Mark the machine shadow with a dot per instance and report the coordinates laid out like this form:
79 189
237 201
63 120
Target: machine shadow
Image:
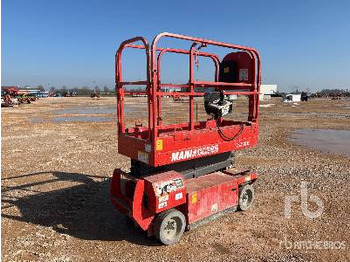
83 211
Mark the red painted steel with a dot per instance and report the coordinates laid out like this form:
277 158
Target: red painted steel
164 191
127 194
143 198
213 193
142 145
210 194
156 144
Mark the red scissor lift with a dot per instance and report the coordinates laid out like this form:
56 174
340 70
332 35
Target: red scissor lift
181 174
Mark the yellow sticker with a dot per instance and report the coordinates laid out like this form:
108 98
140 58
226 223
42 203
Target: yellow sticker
226 69
194 198
247 178
159 145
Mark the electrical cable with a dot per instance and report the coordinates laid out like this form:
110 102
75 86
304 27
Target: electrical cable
225 137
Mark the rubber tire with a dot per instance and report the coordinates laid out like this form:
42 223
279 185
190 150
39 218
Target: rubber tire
159 224
247 189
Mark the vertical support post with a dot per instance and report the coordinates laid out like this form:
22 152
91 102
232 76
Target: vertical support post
253 98
154 96
119 91
258 82
150 111
159 98
159 108
191 122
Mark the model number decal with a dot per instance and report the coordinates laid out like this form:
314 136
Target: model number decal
195 152
243 144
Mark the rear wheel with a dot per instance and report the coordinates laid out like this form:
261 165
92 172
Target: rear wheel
246 197
169 226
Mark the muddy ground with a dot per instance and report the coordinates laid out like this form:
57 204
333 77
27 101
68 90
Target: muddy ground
58 155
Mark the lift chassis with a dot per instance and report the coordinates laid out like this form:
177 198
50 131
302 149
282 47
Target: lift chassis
182 175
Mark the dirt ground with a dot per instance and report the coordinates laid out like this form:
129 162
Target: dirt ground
58 155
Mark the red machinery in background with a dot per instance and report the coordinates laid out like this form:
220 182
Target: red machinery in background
181 174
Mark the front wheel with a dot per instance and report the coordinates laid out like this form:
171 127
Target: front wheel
246 197
169 226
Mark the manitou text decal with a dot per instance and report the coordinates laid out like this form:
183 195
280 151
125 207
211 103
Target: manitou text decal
194 152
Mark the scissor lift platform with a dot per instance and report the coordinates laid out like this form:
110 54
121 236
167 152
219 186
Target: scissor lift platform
181 174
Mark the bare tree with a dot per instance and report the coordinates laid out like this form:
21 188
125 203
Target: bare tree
106 90
52 89
64 91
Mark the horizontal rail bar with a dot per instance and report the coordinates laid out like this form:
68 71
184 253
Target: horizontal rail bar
242 93
203 84
202 93
135 93
222 84
134 83
174 50
206 84
174 85
199 40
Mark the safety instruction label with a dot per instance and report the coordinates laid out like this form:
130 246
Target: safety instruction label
243 74
143 157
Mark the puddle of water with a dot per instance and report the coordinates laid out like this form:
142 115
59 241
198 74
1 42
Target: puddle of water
326 140
88 110
81 119
315 114
85 110
82 114
37 120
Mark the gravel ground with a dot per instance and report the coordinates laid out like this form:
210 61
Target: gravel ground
56 174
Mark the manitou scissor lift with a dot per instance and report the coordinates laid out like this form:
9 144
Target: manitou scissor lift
181 174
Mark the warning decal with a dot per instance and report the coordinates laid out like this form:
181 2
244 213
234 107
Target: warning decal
243 74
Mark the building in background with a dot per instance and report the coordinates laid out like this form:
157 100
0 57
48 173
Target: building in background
266 91
293 98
